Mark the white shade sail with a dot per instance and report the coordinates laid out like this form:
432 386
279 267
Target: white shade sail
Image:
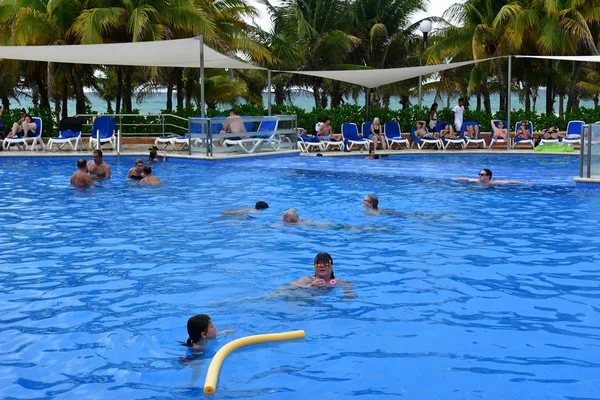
372 78
161 53
566 58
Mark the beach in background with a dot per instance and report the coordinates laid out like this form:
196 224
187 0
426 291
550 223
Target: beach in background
303 99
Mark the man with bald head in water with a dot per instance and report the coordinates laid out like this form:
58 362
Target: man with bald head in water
98 169
81 178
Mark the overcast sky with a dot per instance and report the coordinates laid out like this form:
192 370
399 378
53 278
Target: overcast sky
434 8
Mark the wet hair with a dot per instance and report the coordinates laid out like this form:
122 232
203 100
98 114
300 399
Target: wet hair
81 163
152 155
196 326
261 205
292 213
138 161
488 172
374 200
99 152
319 155
147 169
325 257
433 106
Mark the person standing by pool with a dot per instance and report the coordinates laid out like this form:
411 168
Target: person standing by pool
457 114
433 116
97 168
137 172
81 178
149 179
485 177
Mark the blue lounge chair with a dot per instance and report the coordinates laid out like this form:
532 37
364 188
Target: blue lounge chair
528 141
270 137
393 134
365 129
351 139
499 140
105 127
479 140
69 133
32 141
422 141
306 142
458 140
574 132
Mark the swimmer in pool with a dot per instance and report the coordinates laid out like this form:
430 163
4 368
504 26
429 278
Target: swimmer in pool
81 178
324 276
485 177
149 179
137 172
97 168
200 328
258 207
153 156
291 216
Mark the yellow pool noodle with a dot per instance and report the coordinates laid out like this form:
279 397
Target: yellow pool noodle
212 376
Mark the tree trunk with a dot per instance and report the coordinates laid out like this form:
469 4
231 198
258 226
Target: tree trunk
324 100
170 94
43 93
573 90
405 101
527 85
561 105
595 100
128 90
5 102
279 94
478 102
189 89
534 96
179 82
386 100
119 90
65 99
487 102
35 96
78 87
502 83
50 75
549 91
317 96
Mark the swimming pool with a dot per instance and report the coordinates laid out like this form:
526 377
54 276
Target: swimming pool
471 292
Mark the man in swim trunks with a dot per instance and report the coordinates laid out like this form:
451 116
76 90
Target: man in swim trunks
149 179
97 168
81 178
485 177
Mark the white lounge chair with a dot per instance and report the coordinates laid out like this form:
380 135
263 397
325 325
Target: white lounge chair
69 133
250 145
105 127
499 140
574 132
30 142
479 140
393 134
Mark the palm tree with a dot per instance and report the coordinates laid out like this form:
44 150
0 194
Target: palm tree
558 27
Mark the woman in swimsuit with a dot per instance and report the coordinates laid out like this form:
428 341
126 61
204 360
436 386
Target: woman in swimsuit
377 135
153 156
136 172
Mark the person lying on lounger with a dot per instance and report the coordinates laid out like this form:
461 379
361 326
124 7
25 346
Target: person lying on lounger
523 131
499 130
485 177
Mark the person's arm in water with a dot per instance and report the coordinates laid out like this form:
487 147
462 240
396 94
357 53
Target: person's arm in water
464 179
508 182
303 282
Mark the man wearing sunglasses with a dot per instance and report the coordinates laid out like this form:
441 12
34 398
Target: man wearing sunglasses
485 177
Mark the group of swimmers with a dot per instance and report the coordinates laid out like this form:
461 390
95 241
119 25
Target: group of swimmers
98 170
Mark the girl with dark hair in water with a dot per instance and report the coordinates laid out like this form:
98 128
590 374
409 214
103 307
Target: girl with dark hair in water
153 156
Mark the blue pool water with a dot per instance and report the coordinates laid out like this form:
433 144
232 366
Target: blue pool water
469 292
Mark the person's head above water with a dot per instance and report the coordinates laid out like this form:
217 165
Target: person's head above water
324 266
261 205
147 170
485 175
371 201
200 327
81 163
291 215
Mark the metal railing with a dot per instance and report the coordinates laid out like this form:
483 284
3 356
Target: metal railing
589 161
145 124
